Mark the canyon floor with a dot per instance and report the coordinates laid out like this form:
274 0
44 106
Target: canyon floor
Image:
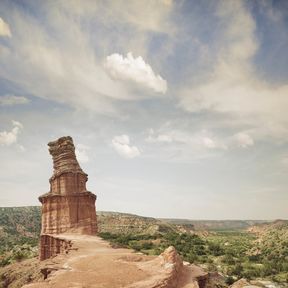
92 262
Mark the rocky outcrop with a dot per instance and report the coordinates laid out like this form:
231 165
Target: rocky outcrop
174 264
68 207
244 283
52 245
168 271
240 283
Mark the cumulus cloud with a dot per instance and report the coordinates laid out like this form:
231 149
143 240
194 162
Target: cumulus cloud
10 100
4 28
123 147
243 140
8 138
82 153
134 70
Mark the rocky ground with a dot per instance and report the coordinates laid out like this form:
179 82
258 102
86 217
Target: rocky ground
93 263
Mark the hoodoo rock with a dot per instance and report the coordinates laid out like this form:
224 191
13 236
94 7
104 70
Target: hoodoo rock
69 225
68 207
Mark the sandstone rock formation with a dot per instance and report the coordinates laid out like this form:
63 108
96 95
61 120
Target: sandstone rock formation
51 246
68 207
240 283
244 283
93 263
82 259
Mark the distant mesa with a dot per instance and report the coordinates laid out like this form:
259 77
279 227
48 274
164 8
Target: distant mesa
68 207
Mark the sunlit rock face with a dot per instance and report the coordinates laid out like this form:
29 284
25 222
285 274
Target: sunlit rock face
68 207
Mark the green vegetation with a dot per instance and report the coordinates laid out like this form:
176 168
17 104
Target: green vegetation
18 253
229 252
19 233
235 253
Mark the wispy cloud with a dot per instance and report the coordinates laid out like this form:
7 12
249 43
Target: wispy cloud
82 153
10 100
243 140
232 86
198 140
209 143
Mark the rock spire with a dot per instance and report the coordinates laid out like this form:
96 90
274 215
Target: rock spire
68 207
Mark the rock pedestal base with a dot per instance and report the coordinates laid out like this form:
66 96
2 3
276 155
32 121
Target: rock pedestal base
73 213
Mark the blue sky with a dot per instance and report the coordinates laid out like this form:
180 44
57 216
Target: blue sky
176 108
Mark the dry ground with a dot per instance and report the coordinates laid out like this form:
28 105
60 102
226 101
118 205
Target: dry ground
94 264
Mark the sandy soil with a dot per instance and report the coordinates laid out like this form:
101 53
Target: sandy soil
94 264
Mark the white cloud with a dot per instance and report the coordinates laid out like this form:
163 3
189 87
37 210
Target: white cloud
169 135
177 137
8 138
152 16
82 153
21 148
4 28
134 70
153 137
122 145
232 86
243 140
148 15
209 143
66 66
17 124
10 100
284 161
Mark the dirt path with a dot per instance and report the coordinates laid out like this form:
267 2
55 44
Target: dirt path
94 264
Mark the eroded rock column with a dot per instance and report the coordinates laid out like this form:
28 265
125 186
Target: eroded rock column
68 207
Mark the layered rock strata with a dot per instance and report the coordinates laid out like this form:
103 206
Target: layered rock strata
68 207
51 246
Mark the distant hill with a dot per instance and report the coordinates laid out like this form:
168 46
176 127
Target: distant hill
215 225
271 247
267 227
26 222
272 240
115 222
19 224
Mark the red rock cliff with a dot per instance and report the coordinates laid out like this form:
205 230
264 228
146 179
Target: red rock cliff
68 207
